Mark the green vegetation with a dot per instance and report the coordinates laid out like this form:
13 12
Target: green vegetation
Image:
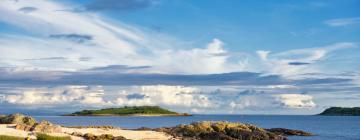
136 110
41 136
341 111
2 137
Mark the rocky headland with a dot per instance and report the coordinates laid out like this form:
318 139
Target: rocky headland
341 111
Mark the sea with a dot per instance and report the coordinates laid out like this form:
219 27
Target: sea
325 127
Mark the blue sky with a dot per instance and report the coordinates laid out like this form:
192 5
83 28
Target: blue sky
236 56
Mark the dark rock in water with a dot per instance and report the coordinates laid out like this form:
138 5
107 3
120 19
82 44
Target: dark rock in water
289 132
220 131
17 119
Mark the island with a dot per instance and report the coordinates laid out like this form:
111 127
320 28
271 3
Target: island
341 111
129 111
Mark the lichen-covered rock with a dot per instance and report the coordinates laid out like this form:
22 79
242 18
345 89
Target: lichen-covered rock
207 130
89 136
289 132
23 127
17 119
46 127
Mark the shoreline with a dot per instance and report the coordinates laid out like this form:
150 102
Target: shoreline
9 130
132 115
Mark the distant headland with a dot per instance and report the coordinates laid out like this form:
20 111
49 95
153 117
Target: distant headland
341 111
129 111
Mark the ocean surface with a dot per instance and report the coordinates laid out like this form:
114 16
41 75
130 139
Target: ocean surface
326 127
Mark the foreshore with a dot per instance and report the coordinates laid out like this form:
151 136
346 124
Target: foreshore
27 127
9 130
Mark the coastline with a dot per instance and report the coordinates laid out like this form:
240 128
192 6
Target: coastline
134 115
27 127
9 130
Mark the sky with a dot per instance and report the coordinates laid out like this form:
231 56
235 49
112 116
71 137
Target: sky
200 57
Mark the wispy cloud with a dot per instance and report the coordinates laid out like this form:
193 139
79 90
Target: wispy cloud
343 21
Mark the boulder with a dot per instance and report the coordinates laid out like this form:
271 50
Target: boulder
89 136
46 127
17 119
23 127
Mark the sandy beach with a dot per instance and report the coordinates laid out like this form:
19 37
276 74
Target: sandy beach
9 130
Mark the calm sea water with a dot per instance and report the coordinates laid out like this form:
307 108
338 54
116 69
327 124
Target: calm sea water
326 127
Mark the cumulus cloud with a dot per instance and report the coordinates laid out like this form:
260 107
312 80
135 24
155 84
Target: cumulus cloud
74 95
343 21
178 97
295 100
163 95
263 54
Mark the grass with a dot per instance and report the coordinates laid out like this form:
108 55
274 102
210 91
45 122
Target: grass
2 137
147 110
41 136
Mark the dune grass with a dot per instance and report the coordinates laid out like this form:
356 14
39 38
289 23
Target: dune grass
2 137
41 136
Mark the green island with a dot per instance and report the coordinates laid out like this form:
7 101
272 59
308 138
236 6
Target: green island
341 111
129 111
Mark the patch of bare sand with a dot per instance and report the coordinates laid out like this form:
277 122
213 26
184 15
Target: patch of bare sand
9 130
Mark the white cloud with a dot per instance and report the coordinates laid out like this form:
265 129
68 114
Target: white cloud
263 54
279 63
343 21
212 59
108 43
163 95
69 95
295 100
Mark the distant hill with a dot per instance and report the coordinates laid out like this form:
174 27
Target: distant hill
341 111
129 111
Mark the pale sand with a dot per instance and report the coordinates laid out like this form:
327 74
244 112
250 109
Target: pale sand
9 130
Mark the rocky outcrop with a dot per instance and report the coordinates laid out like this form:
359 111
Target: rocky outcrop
89 136
17 119
46 127
220 131
289 132
27 123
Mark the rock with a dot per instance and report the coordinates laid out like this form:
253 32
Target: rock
23 127
46 127
220 131
77 134
289 132
17 119
89 136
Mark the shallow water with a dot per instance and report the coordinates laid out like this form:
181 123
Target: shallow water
326 127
